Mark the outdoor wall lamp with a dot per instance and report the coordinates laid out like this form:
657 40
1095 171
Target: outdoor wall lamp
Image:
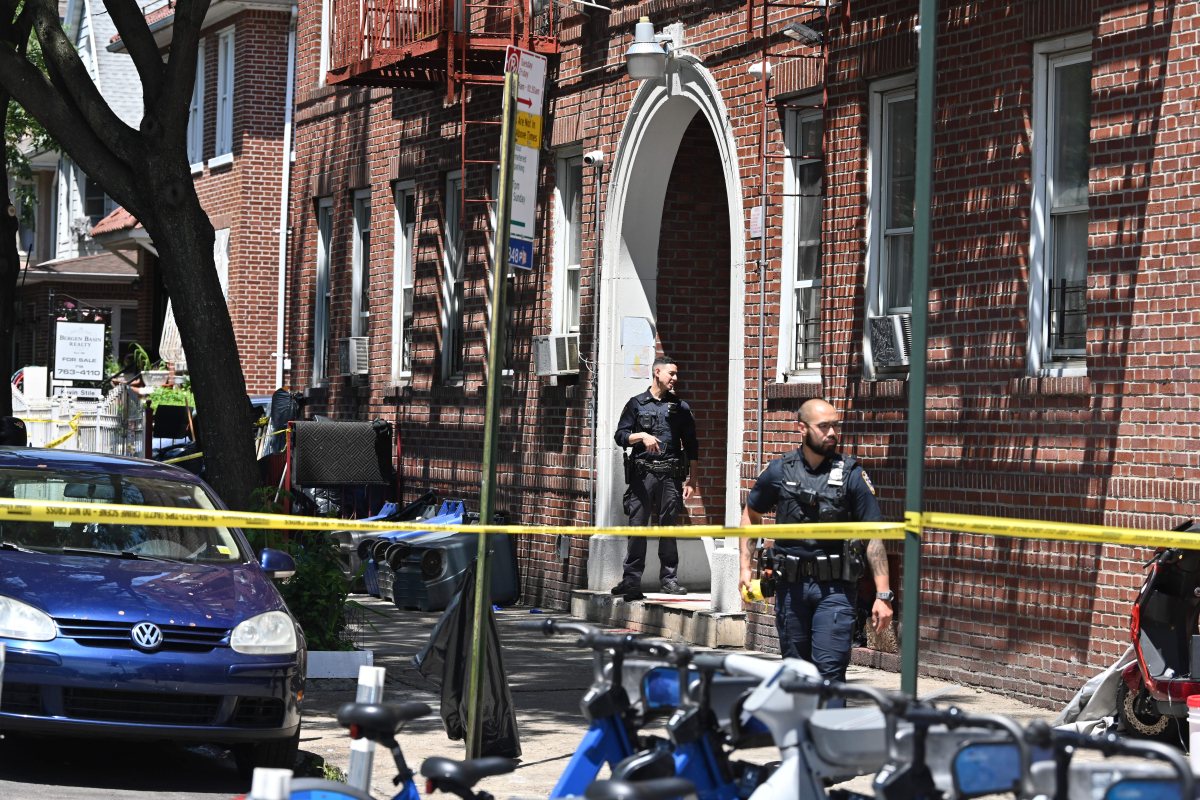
799 32
647 57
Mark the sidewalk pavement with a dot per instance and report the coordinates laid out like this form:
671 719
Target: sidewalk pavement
547 677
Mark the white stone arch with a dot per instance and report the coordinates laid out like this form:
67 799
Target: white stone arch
641 168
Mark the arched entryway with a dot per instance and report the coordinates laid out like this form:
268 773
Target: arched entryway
672 277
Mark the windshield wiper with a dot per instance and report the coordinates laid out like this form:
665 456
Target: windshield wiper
124 554
17 547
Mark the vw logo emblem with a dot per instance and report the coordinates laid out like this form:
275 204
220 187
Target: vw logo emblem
146 636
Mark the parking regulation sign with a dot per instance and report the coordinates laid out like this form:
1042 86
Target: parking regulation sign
531 87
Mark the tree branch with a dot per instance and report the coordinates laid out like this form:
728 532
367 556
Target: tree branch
30 88
173 101
139 42
75 84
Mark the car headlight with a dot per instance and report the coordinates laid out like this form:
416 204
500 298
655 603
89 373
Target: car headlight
269 634
22 621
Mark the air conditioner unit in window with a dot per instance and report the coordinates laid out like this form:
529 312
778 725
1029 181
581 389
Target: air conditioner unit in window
557 354
891 340
353 355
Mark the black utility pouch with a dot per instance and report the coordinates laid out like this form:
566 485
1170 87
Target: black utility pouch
822 569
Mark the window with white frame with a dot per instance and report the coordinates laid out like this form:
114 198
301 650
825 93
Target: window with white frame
360 265
321 300
892 183
225 65
568 243
96 203
405 222
800 303
326 27
195 129
1059 219
453 273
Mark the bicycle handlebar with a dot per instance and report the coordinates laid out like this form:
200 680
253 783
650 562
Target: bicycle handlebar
888 704
557 627
1040 734
597 639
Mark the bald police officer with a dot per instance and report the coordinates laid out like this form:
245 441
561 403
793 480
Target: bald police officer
817 579
661 432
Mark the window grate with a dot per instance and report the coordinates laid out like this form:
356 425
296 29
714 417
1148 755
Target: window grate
1068 317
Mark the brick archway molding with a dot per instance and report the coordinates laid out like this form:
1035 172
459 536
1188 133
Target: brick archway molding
641 168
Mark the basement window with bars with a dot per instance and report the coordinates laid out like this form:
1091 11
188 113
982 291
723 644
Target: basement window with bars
1059 218
803 204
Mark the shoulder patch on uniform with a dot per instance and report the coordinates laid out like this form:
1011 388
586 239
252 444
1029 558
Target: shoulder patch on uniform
867 480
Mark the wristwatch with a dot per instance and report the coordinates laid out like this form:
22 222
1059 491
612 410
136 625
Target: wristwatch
887 596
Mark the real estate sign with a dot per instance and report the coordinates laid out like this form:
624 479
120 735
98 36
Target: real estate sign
78 351
531 88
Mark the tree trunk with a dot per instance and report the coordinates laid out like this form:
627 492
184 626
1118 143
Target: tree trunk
10 271
183 236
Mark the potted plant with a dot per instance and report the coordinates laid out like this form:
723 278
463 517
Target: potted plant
154 373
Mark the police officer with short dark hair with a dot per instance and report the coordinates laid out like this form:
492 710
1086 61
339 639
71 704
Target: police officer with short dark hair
661 431
816 580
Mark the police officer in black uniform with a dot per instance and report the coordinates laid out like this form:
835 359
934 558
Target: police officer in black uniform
660 429
816 580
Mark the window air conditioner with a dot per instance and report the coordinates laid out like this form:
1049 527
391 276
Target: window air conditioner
891 340
557 354
353 353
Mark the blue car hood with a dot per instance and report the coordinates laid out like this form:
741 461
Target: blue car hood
101 588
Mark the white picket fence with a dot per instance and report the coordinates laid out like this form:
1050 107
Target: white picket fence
113 425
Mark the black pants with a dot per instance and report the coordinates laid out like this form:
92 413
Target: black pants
652 500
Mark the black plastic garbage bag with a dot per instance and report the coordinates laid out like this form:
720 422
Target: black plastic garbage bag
446 660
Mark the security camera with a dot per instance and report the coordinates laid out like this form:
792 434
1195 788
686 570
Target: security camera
593 157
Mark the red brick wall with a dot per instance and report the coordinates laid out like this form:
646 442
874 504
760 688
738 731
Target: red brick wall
1112 447
245 196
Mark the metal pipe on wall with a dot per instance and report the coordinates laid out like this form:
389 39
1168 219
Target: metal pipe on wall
284 191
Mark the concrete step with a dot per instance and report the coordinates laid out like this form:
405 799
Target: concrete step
687 618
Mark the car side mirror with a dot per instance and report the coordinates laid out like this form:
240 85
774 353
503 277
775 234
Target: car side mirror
277 564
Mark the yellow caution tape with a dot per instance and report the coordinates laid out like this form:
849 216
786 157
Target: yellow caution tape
49 511
181 459
114 514
1059 531
74 424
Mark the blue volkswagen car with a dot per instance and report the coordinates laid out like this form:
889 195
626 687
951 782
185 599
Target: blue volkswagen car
140 631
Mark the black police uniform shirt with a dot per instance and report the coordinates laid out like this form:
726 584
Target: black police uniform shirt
860 499
676 435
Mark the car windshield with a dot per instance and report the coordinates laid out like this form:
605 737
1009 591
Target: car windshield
166 542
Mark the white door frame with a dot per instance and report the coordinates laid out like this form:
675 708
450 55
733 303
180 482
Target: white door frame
657 120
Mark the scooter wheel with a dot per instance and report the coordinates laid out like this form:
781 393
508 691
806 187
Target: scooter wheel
1138 714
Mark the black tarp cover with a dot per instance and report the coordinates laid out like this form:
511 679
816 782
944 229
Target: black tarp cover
446 660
